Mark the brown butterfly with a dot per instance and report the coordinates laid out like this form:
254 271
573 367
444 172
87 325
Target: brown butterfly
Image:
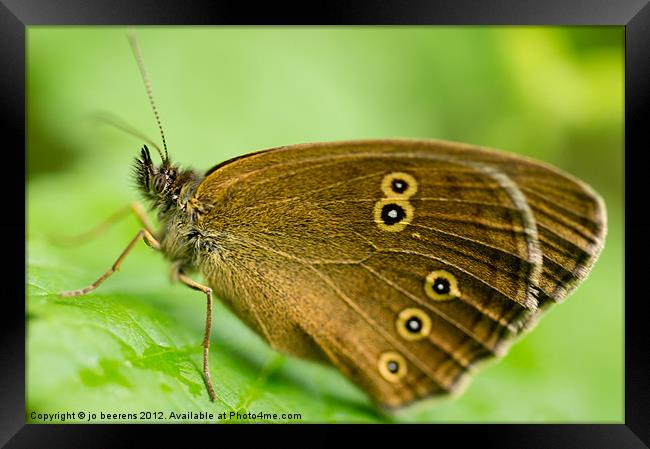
403 263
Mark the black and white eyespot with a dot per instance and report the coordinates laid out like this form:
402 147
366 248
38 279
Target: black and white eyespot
441 285
399 185
413 324
392 214
392 366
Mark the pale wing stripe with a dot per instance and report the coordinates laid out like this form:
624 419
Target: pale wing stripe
530 227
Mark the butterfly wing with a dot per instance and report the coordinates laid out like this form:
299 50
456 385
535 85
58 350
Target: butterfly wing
403 263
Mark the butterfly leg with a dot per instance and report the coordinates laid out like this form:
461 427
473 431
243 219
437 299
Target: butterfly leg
142 234
208 325
134 207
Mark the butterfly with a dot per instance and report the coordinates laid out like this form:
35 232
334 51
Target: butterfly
402 263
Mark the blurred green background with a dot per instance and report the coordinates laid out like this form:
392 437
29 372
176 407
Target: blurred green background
555 94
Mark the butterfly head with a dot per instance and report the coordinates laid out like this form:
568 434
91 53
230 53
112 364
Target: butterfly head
161 184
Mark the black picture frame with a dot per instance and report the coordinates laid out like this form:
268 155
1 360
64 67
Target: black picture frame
634 15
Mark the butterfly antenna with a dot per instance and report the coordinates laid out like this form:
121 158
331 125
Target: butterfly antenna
147 84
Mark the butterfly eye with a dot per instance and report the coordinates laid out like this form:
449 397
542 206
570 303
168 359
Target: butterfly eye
392 366
441 285
159 182
413 324
399 185
393 215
